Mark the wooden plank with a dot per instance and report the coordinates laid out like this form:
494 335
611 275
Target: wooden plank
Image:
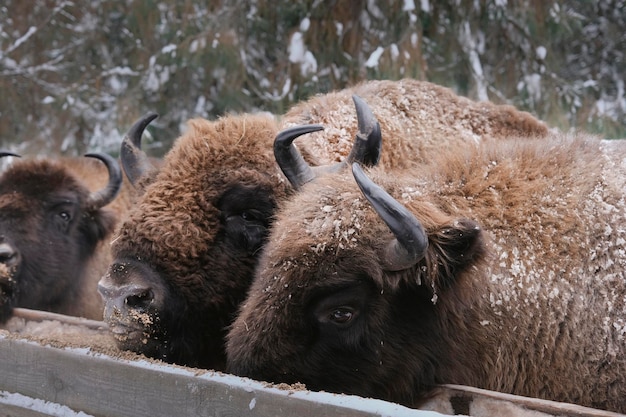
476 402
99 385
38 315
102 386
9 410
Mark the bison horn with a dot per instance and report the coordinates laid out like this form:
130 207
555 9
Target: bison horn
291 162
104 196
366 148
135 162
368 142
411 241
7 153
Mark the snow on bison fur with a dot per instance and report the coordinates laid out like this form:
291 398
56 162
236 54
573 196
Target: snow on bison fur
56 216
502 266
407 110
186 255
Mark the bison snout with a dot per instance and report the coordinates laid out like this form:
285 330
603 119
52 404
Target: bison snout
9 258
9 262
120 301
138 298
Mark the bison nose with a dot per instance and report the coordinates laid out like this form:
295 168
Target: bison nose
138 298
9 256
124 299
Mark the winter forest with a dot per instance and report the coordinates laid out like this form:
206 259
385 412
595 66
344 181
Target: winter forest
75 74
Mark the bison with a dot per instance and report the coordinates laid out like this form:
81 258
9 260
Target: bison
500 266
54 230
186 254
416 117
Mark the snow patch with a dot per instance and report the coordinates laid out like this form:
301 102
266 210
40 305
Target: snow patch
541 52
171 48
305 24
299 54
372 61
38 405
532 83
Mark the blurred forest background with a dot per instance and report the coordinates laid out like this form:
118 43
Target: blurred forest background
75 74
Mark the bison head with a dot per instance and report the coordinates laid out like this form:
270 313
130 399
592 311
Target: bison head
349 299
182 257
50 225
185 257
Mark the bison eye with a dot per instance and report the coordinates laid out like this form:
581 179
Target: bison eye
337 309
65 216
62 213
252 215
341 315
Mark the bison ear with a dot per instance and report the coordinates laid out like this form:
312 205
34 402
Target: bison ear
454 249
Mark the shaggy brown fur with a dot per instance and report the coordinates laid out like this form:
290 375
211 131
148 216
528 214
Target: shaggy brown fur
63 245
189 247
528 297
178 243
416 118
179 209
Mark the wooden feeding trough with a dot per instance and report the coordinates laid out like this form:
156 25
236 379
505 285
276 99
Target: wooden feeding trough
52 365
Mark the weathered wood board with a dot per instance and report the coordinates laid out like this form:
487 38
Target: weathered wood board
41 380
102 386
475 402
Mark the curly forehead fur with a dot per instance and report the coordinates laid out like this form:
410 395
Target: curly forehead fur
26 176
416 118
173 225
65 173
552 212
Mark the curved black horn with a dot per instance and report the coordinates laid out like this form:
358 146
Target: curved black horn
368 141
7 153
366 148
290 161
135 162
104 196
411 241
